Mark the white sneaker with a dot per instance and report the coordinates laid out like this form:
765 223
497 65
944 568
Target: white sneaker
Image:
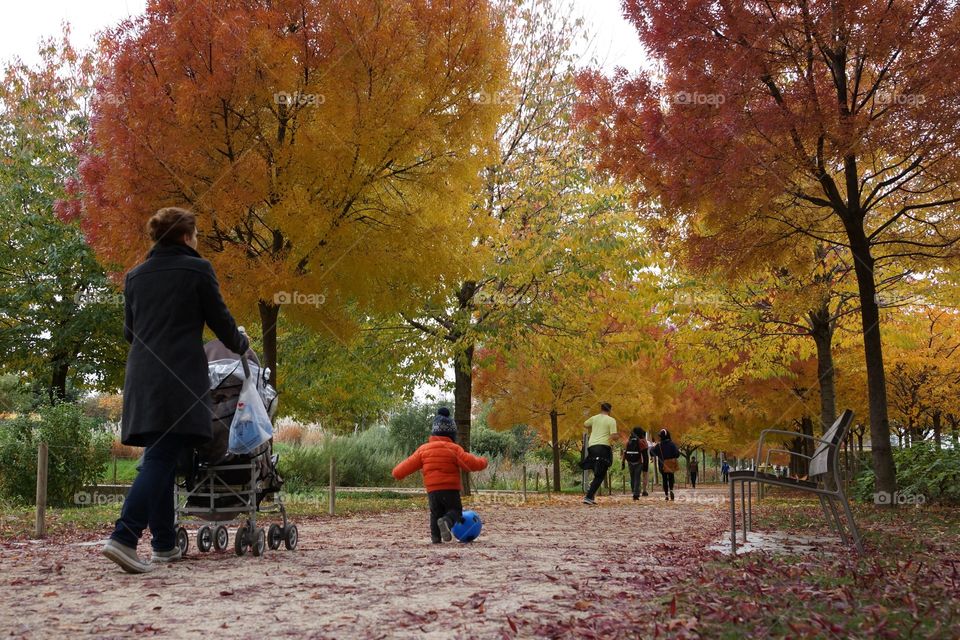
167 556
126 557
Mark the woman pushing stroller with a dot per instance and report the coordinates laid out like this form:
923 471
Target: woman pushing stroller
168 299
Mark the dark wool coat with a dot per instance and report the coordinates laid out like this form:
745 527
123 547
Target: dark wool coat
168 299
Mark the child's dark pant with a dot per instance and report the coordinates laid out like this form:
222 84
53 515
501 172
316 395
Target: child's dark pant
444 504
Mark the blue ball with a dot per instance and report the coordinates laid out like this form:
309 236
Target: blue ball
468 528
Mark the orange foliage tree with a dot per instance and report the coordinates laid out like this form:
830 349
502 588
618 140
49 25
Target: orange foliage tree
833 120
329 148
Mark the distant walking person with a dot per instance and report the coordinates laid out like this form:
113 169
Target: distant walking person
636 455
725 471
667 460
692 469
603 429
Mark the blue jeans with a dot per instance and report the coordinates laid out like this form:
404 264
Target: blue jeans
150 501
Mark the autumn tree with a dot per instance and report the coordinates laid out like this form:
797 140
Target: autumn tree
329 148
924 370
60 317
554 382
536 217
832 120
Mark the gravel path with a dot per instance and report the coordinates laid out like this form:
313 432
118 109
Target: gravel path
549 569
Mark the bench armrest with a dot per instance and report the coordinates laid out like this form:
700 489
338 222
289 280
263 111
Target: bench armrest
795 434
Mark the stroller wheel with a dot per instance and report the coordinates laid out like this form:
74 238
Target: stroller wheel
204 538
259 542
183 540
221 538
274 536
240 541
290 537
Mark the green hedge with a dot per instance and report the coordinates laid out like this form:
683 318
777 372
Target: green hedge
79 449
922 470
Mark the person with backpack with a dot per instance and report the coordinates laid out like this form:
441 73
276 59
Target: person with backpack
638 457
692 470
668 456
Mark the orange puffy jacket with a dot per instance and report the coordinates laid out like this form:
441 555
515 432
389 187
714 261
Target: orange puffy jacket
441 460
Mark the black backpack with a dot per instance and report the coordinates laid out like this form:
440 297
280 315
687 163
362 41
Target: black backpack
634 450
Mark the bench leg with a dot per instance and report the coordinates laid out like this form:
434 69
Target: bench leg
750 505
743 507
828 514
836 517
853 525
733 519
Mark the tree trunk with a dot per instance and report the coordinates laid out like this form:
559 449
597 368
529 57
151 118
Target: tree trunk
884 469
937 430
462 404
822 331
555 440
806 427
58 381
269 313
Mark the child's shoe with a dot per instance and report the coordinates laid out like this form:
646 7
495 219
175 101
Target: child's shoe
444 525
671 495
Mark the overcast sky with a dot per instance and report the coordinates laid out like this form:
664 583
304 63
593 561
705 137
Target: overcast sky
24 23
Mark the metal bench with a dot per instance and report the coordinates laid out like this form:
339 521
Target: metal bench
825 485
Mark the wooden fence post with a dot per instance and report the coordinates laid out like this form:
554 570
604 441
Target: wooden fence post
333 487
536 486
41 524
524 468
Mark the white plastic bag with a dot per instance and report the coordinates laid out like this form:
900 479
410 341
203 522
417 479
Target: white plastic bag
251 425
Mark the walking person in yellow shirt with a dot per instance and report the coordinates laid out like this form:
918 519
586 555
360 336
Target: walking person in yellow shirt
603 430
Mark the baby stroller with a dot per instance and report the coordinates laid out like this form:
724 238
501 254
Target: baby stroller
219 488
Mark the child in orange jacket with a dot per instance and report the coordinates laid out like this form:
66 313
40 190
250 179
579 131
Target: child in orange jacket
441 460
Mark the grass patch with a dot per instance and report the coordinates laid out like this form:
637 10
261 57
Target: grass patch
120 471
17 521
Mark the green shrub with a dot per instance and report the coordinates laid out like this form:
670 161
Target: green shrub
487 442
410 427
79 448
362 460
922 470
